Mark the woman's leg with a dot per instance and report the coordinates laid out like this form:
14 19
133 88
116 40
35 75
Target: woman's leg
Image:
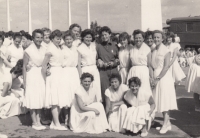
66 114
166 119
55 110
38 114
33 117
196 100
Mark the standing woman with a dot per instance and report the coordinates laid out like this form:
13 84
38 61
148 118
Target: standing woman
149 39
87 56
70 79
55 98
15 51
76 30
33 80
138 55
164 91
124 56
177 72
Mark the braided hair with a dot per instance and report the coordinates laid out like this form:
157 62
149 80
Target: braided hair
17 70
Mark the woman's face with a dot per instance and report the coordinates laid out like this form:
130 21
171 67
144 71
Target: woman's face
157 38
24 39
38 38
76 31
169 40
114 83
149 40
68 41
87 39
138 40
134 88
46 37
56 40
86 82
124 42
17 41
105 36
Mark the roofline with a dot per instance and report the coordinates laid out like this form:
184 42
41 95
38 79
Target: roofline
182 19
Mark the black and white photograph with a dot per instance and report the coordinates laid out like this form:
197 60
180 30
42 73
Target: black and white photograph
99 68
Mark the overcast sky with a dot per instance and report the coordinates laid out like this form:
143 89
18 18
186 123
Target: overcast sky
101 10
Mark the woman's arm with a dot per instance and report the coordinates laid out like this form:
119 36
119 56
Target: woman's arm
79 65
174 56
149 66
25 63
5 89
107 105
164 69
83 107
152 105
44 65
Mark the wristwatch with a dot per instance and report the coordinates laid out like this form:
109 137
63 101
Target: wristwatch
157 78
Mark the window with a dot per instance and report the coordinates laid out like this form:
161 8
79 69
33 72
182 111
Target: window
189 27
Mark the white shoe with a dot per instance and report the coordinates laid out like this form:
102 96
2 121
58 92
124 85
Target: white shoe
144 134
52 126
163 131
3 136
37 127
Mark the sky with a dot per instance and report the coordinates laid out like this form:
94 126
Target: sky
113 13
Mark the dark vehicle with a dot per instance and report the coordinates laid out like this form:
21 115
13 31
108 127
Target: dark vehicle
187 28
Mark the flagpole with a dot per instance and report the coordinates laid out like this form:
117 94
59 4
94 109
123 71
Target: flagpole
8 15
88 7
50 18
69 7
29 17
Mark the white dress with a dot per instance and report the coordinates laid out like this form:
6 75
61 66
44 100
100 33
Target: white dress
10 105
164 92
88 122
2 66
70 77
15 53
54 90
116 118
193 79
35 84
125 62
138 112
88 63
139 66
177 72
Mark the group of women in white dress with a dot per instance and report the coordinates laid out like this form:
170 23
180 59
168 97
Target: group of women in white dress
60 72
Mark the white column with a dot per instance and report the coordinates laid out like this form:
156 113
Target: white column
29 17
88 12
151 15
50 19
8 15
69 7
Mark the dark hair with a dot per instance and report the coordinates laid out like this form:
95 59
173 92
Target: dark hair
124 36
17 35
138 31
27 36
39 31
105 29
160 32
22 32
2 37
198 50
75 25
136 80
18 68
68 33
55 33
115 76
148 33
10 34
87 75
86 32
46 30
170 35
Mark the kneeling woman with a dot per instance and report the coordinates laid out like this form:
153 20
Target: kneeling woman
11 100
141 106
115 107
88 115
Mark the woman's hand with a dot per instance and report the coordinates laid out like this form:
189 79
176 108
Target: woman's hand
16 95
96 112
112 104
9 58
100 63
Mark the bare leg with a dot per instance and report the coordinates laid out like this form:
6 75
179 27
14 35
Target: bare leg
166 119
196 100
66 113
38 113
55 112
33 116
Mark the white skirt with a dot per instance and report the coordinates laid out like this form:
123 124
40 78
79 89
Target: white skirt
164 93
88 122
35 89
135 117
70 82
124 74
177 72
193 79
96 83
54 90
116 118
142 72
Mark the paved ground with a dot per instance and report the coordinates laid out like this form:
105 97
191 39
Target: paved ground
185 123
